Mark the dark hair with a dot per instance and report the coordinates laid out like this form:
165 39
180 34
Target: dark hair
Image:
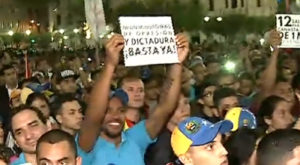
277 147
199 92
22 108
34 96
6 67
240 146
225 74
56 136
245 76
60 100
296 82
222 93
5 154
267 108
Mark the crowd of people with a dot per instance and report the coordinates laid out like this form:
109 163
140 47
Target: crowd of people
86 107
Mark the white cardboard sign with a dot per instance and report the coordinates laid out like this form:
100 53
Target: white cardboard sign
289 26
148 40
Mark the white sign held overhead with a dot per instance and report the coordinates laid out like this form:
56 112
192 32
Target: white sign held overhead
289 26
148 40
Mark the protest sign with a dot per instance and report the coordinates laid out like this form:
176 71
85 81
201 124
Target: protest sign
148 40
289 26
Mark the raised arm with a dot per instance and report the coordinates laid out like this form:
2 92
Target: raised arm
170 93
270 73
99 97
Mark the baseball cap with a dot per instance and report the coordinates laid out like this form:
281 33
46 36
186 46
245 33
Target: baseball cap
120 94
241 117
195 131
64 74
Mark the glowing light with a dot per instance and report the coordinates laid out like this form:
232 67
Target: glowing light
262 41
66 37
230 66
10 33
28 32
88 34
206 19
32 21
219 19
76 30
61 31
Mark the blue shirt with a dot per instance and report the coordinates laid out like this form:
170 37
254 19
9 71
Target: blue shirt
20 160
130 152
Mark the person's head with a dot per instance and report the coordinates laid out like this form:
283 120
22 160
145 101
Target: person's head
241 118
134 87
57 147
284 89
275 113
196 141
246 84
288 68
10 75
199 70
68 112
114 119
182 111
15 99
28 124
281 147
241 147
206 94
296 84
5 58
228 80
152 88
42 65
224 100
213 65
39 101
66 81
5 155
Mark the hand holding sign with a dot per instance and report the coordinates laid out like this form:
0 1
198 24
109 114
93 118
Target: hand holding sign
182 47
275 39
113 49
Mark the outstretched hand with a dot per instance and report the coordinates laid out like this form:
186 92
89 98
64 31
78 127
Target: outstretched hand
182 47
113 49
275 39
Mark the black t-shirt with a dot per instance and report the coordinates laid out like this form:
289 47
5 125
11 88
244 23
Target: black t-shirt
161 153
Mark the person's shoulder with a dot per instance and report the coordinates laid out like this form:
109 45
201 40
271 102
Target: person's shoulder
19 161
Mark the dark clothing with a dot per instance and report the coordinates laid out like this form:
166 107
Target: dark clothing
4 104
197 111
161 153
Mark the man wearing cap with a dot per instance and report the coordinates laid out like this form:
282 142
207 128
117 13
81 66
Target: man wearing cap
197 141
101 139
66 81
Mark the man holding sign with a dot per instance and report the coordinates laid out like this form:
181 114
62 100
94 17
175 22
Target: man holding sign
101 139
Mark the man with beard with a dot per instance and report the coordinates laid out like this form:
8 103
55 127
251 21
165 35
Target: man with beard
101 140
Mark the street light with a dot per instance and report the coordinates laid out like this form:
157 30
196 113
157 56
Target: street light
206 19
76 30
61 31
10 33
28 32
219 19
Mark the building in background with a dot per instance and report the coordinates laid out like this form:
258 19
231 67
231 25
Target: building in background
244 7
